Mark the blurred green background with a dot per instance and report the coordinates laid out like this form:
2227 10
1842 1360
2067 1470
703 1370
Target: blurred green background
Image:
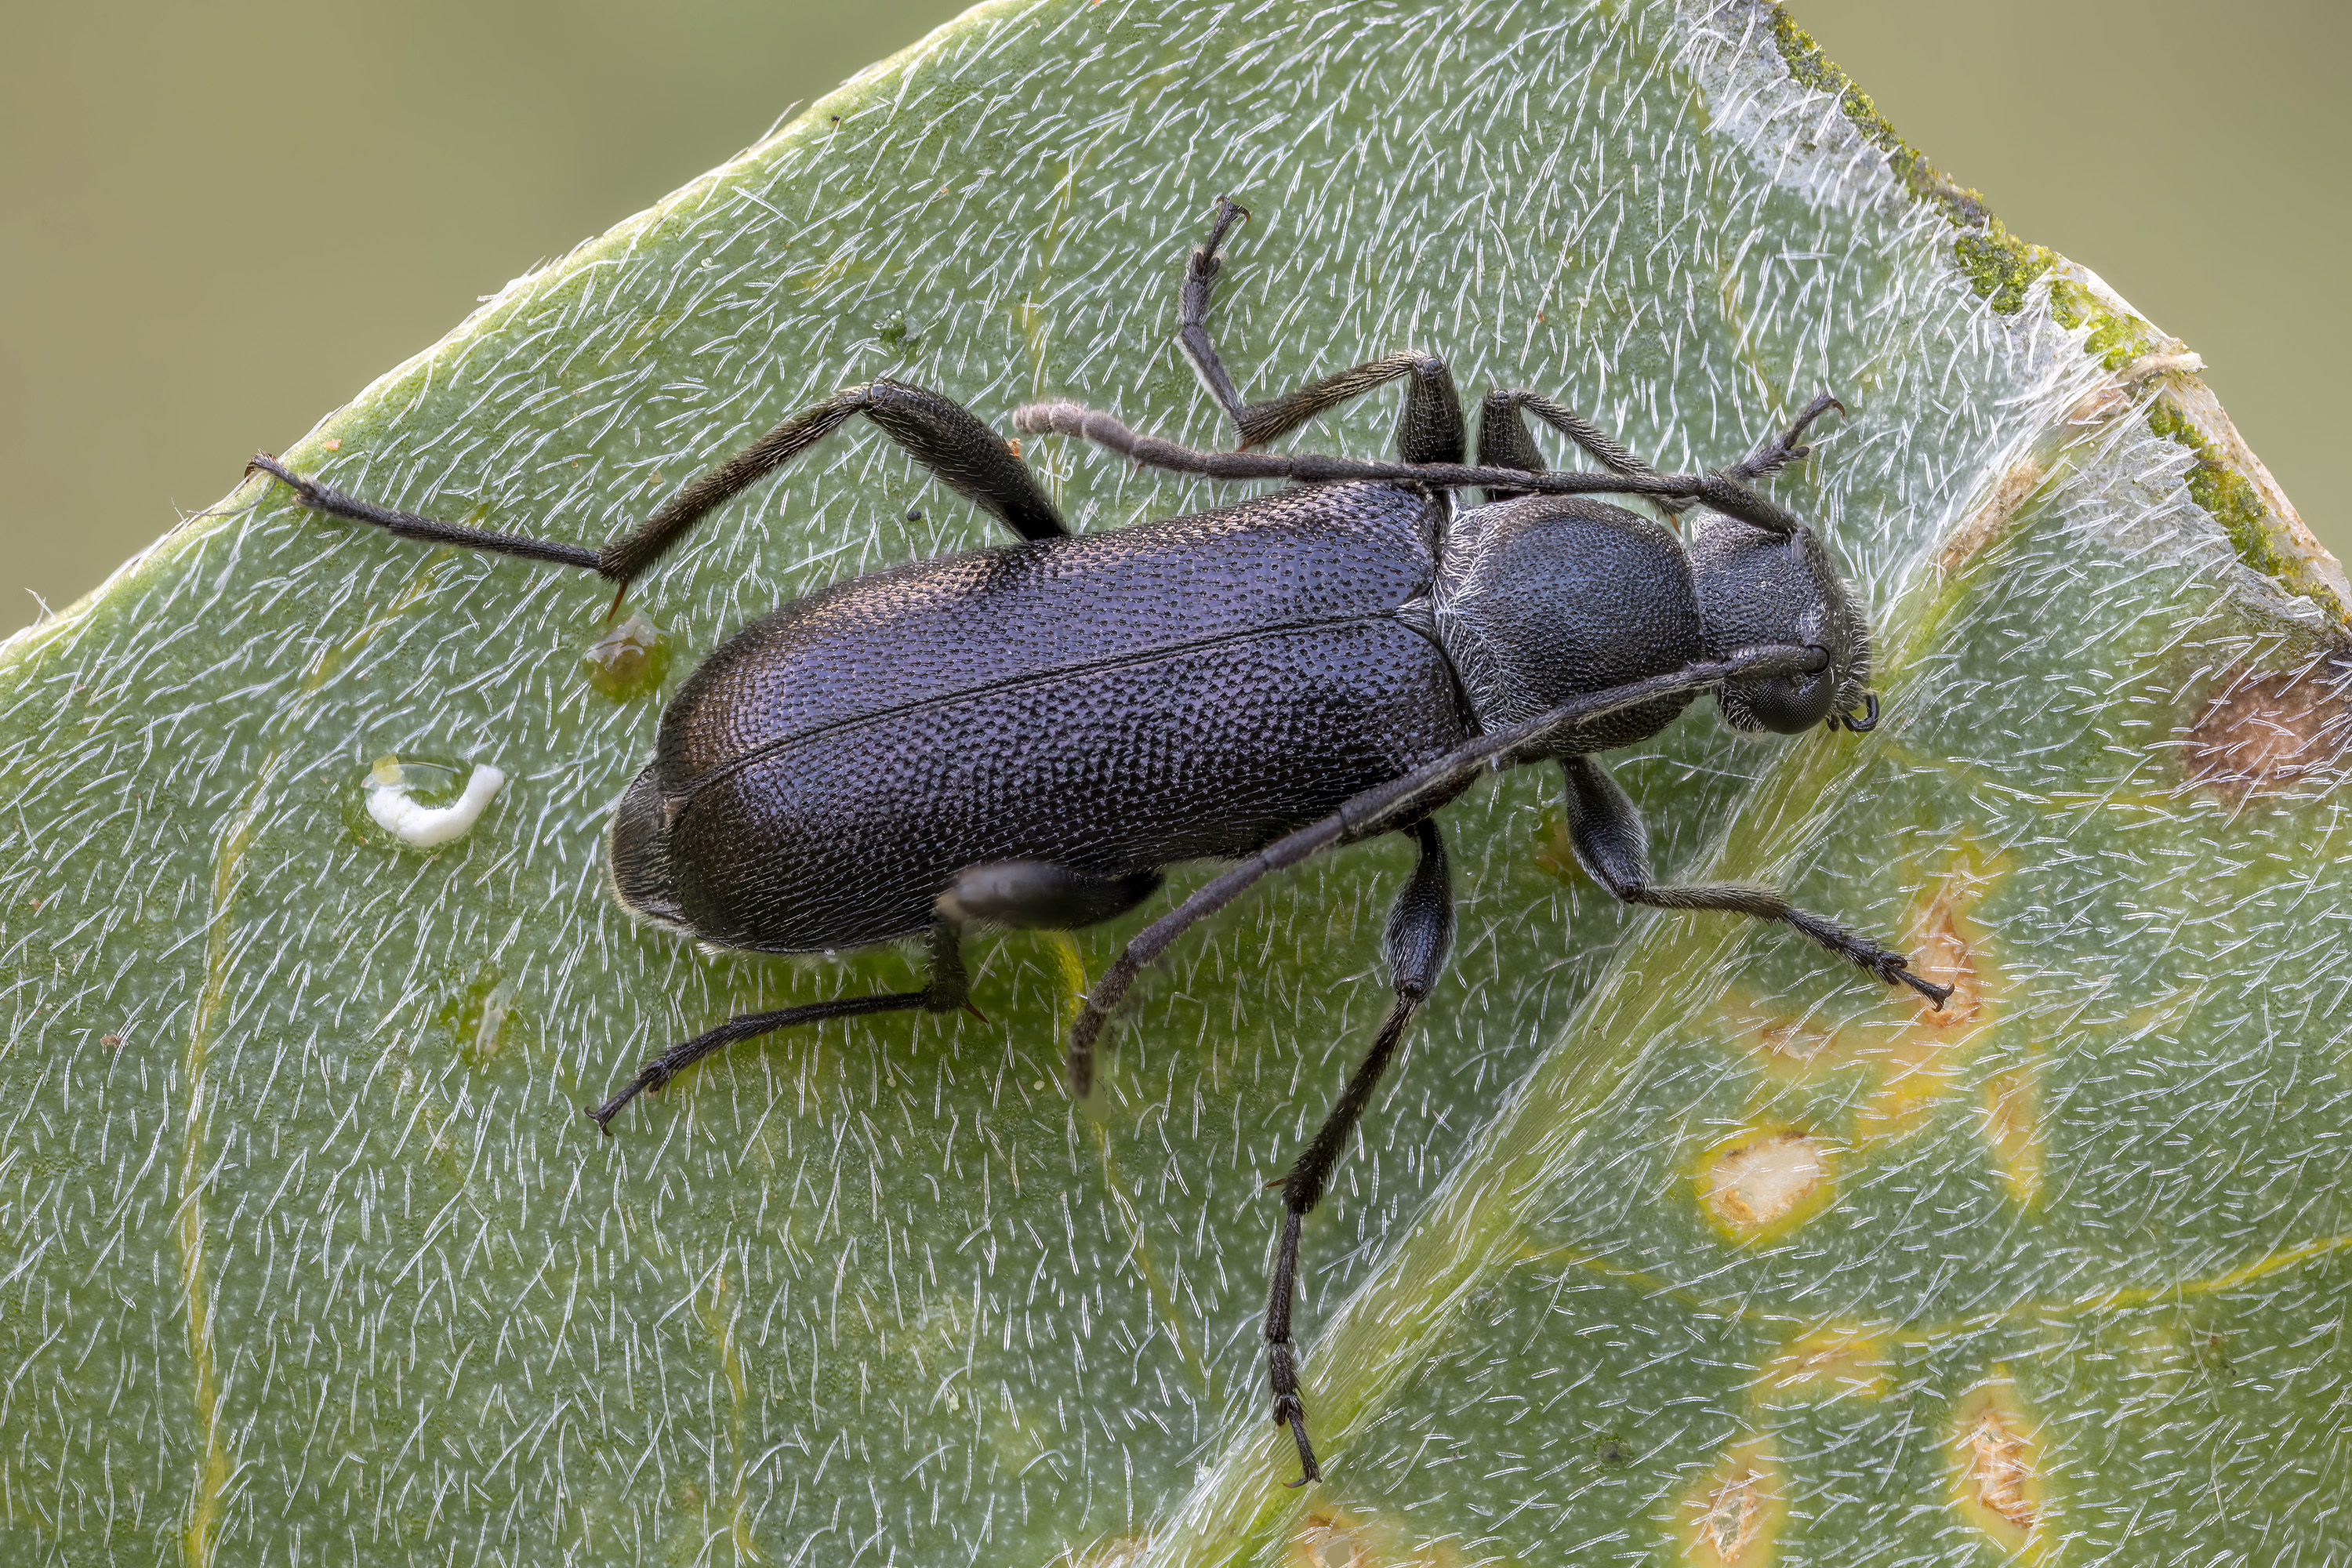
221 221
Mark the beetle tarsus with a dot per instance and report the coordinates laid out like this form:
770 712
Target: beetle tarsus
1778 452
1939 995
317 497
1229 212
1295 1417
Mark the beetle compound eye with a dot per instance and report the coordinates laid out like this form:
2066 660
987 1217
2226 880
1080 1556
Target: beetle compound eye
393 803
1788 704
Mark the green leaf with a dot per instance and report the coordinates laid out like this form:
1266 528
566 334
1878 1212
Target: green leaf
1671 1240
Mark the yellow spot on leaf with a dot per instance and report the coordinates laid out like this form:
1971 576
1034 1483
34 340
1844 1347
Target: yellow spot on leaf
1755 1183
1072 971
1554 855
2013 1127
1732 1517
1997 1473
1842 1361
1790 1048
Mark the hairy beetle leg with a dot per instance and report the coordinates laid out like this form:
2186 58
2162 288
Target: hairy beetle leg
1605 829
1418 942
1939 995
1778 452
947 989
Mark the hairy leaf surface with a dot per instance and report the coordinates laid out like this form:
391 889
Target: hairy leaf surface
1671 1239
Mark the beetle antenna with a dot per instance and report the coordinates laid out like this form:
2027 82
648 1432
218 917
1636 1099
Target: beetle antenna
1725 491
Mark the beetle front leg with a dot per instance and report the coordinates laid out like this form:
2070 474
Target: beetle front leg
1504 441
1419 940
1777 452
1605 829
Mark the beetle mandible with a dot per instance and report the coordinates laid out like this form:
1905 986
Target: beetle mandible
1028 735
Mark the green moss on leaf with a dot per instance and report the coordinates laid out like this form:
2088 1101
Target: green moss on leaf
2116 338
2000 264
2228 495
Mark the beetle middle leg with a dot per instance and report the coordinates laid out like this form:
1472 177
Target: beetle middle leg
944 990
1605 829
1418 942
1429 431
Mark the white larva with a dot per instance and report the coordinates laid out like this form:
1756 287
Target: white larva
389 803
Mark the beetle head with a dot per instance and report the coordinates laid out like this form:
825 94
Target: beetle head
1756 589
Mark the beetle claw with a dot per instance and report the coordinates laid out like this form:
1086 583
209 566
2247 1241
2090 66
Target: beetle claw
1859 726
1939 995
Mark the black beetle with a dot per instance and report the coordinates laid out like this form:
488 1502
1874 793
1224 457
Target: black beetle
1027 736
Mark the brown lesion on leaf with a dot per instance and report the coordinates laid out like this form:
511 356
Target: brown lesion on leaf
2265 731
1760 1181
1998 1470
1913 1058
1915 1062
1841 1361
1733 1516
1919 1060
1328 1538
1989 519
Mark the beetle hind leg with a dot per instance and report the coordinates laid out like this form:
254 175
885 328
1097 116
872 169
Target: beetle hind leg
1038 895
945 990
1419 940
